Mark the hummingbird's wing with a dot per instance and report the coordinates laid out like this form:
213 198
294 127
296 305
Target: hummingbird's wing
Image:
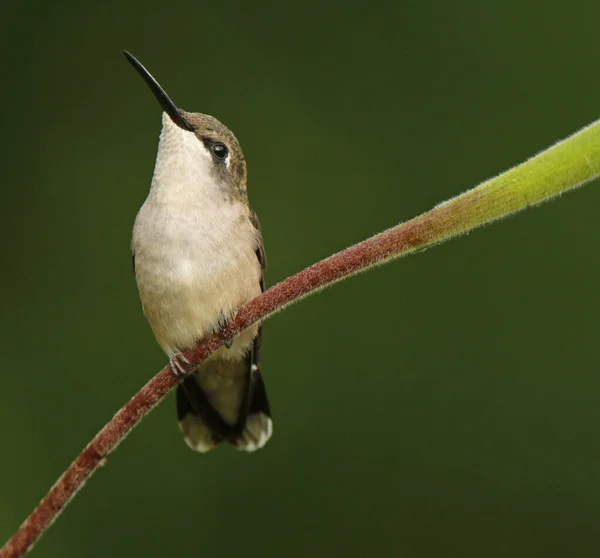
258 424
260 250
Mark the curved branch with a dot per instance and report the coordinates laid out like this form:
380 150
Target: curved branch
564 166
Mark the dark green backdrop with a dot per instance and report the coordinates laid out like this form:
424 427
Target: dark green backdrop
443 405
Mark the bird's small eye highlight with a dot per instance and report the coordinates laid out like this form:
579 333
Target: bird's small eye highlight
220 151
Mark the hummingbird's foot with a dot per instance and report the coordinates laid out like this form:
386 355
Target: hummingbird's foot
180 366
222 329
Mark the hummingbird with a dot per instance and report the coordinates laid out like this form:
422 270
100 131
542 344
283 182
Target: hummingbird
198 256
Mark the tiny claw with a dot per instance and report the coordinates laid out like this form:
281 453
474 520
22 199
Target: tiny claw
222 331
180 366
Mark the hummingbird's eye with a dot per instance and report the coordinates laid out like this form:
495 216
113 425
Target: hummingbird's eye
220 151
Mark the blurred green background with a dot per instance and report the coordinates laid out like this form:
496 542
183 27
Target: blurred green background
443 405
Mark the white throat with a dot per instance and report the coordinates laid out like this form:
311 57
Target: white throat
183 171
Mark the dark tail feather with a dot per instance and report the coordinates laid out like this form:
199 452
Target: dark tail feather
196 434
204 428
258 426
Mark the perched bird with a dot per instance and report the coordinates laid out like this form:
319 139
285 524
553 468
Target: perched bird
198 257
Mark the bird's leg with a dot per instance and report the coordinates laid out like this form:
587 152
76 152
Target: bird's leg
180 366
222 329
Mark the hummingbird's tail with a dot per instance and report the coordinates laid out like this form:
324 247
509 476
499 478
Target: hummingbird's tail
224 401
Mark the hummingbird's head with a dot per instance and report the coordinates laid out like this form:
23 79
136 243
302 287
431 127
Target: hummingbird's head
196 151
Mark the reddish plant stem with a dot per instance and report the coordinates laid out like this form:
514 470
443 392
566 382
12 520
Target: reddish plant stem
391 243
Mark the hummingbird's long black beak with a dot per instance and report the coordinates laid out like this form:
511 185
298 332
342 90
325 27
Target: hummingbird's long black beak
167 105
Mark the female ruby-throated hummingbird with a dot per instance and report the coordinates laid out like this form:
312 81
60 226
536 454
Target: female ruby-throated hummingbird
198 257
